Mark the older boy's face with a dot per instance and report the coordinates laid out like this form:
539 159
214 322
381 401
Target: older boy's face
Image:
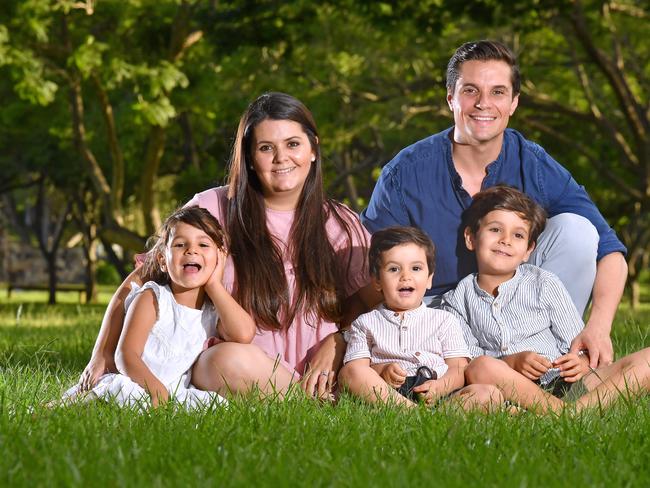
501 243
403 277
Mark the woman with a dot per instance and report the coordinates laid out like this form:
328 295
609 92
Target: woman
297 261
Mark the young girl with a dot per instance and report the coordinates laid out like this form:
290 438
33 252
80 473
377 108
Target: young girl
168 319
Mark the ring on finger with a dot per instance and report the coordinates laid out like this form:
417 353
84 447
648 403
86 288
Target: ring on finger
325 373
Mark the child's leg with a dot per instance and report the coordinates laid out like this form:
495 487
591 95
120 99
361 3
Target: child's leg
629 375
363 381
478 397
232 368
514 386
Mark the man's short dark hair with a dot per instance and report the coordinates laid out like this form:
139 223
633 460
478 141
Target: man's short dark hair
510 199
386 239
483 51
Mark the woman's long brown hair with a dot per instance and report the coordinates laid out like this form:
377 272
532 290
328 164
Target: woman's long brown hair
261 286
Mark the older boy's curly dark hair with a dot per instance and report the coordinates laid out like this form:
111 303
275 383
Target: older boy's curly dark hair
390 237
504 197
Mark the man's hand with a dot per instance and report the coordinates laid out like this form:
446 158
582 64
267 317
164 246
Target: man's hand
597 343
528 363
573 366
391 373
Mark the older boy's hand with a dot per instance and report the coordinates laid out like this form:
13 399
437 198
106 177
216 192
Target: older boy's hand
573 366
430 391
528 363
391 373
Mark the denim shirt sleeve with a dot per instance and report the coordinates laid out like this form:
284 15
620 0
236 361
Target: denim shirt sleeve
564 195
386 207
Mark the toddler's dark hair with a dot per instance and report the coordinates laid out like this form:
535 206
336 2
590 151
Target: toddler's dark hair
390 237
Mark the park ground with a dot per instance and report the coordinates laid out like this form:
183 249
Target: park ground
293 443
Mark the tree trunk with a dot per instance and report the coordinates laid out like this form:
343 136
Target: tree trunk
91 272
50 259
635 294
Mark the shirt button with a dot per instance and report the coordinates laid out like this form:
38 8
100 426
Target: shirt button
403 328
396 314
417 353
504 348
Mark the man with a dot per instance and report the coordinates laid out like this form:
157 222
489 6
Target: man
430 183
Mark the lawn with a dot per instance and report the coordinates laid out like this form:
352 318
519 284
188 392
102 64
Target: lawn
295 443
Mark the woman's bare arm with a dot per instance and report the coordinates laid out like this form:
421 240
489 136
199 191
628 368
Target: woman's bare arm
102 359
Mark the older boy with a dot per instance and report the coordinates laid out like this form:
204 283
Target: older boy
519 320
389 346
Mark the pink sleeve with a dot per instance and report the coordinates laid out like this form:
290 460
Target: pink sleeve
214 200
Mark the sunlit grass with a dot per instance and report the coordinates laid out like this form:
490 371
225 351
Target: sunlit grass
295 443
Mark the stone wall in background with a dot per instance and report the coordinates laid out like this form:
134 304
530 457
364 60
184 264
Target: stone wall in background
24 265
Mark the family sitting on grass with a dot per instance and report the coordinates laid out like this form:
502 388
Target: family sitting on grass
197 323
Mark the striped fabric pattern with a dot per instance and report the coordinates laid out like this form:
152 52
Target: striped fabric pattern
419 337
532 312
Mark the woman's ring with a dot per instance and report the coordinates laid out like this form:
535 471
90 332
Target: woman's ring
325 373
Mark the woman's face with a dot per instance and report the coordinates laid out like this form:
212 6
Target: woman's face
282 158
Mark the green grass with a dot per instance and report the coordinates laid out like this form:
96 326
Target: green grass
294 443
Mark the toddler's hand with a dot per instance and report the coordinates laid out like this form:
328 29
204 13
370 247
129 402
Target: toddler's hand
529 363
217 274
573 366
391 373
429 391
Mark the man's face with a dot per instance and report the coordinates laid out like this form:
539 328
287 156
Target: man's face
482 102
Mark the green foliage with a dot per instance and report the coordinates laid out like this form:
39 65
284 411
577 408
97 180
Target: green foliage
372 72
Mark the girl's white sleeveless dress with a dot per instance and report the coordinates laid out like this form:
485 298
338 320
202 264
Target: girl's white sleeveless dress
175 341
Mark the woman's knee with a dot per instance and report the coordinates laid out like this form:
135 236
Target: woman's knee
225 363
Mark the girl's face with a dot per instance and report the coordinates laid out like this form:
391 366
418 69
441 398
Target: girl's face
282 158
190 257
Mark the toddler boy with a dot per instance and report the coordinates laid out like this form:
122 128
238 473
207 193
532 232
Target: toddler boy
403 349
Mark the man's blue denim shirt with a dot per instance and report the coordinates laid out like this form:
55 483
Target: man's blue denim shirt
421 187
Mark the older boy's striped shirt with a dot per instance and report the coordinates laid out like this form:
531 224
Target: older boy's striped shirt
419 337
531 312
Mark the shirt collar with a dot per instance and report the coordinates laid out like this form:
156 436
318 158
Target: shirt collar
504 288
491 168
394 317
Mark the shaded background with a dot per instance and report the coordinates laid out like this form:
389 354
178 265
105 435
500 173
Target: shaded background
115 112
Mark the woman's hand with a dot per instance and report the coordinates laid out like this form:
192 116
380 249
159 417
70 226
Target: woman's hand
320 373
96 367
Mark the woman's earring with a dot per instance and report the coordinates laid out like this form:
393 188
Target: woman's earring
313 158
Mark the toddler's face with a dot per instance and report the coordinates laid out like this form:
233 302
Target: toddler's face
403 277
501 243
190 257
